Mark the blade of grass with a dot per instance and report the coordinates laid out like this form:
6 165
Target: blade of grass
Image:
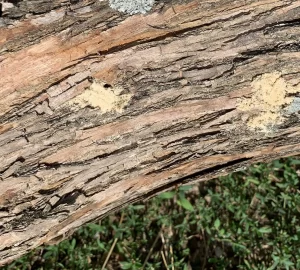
109 253
151 249
164 259
172 257
164 244
112 246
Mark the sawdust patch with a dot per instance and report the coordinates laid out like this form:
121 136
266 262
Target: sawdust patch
105 97
265 107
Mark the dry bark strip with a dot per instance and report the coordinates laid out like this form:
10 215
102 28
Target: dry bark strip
100 109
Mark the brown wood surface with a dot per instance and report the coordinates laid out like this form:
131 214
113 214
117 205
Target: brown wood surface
99 109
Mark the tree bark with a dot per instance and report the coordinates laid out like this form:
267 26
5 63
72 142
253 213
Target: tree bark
100 109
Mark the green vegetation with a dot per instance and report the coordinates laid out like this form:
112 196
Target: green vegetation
247 220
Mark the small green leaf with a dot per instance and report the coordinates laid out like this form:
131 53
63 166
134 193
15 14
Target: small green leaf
295 162
252 180
265 230
185 267
167 195
138 207
73 243
185 188
217 223
126 265
185 204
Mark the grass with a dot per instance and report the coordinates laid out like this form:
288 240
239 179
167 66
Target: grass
246 220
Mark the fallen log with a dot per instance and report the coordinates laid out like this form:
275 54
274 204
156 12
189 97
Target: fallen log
101 108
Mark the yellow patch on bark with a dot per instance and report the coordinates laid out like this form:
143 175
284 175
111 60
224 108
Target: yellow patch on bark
108 99
265 107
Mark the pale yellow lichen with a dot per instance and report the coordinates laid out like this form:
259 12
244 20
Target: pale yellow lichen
265 107
106 98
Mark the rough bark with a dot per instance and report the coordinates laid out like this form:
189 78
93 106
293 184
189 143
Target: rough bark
100 109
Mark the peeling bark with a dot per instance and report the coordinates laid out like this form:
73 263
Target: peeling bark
100 109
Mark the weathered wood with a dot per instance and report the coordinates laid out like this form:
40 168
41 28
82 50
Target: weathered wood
99 109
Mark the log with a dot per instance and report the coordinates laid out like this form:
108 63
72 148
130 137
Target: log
101 108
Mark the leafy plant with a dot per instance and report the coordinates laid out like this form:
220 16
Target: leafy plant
246 220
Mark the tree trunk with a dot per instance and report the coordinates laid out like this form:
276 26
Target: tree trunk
100 109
